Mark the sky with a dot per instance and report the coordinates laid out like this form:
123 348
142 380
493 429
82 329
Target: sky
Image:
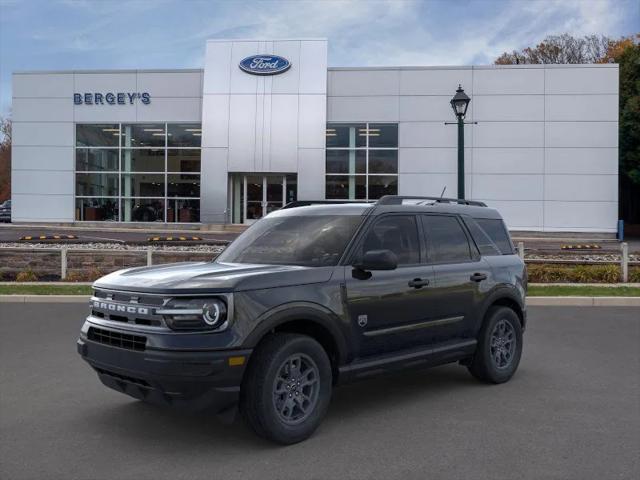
119 34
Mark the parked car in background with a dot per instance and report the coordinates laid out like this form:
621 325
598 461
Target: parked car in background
5 211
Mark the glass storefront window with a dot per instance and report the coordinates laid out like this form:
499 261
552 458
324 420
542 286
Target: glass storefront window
185 161
183 185
98 135
96 209
346 135
96 159
143 185
383 161
346 161
143 209
144 135
383 135
183 211
362 152
122 172
381 185
143 159
96 185
346 187
184 135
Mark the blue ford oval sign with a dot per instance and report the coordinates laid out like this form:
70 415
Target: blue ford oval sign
265 64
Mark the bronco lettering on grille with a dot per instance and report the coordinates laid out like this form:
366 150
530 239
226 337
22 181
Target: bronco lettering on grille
116 307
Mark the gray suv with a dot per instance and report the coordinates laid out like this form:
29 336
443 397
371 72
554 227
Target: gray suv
308 298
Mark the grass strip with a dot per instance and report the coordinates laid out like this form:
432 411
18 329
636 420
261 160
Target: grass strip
582 291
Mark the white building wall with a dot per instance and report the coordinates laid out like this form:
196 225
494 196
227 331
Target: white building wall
44 117
544 150
266 124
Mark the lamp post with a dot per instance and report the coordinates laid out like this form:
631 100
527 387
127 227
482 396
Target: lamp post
460 103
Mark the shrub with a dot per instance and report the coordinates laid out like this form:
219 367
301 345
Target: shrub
551 273
88 275
27 276
634 274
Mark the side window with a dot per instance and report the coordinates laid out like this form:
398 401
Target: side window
484 243
446 239
497 232
398 233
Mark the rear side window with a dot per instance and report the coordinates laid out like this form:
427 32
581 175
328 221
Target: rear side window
481 238
398 233
494 227
446 239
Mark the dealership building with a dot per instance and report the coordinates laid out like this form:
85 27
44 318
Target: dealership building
268 122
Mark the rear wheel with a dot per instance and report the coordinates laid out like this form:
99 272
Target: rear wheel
287 388
499 346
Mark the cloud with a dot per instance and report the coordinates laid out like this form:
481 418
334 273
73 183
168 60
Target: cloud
84 34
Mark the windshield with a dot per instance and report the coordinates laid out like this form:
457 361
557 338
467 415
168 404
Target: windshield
312 241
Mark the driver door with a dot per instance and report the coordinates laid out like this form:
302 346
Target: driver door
387 307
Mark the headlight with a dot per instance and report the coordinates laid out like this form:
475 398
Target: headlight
195 314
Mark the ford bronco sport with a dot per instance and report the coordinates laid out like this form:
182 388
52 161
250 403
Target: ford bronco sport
310 297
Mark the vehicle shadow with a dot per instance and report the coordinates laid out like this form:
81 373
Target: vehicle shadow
135 423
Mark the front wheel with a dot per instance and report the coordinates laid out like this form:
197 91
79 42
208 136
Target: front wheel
287 388
499 346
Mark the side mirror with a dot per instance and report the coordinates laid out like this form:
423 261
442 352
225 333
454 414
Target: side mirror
378 260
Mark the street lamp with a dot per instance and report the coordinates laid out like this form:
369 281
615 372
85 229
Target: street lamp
459 104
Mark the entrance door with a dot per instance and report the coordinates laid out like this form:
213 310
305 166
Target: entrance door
274 194
254 199
255 195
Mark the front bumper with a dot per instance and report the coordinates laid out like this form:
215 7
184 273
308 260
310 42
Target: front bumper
183 379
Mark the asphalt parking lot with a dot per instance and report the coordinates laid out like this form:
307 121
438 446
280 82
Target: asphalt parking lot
571 412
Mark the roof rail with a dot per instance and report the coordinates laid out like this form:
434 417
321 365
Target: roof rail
398 199
306 203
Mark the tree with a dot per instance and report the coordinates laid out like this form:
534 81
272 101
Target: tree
600 49
560 49
5 159
626 52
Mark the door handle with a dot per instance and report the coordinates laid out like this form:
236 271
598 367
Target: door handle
478 277
418 283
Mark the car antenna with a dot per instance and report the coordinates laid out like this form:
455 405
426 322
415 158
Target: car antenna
442 194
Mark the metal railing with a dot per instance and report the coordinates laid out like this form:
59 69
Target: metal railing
624 261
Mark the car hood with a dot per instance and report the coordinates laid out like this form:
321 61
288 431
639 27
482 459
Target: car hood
202 277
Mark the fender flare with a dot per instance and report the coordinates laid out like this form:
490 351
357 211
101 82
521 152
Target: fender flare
301 311
501 292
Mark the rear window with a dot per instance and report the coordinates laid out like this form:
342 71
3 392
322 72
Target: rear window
497 232
446 239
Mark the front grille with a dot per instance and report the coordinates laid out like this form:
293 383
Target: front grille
137 309
117 339
125 297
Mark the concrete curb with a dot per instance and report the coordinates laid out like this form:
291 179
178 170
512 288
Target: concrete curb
584 301
531 301
604 285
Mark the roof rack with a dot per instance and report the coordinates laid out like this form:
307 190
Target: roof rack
306 203
398 199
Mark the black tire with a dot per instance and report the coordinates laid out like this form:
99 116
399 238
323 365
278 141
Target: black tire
268 393
495 360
